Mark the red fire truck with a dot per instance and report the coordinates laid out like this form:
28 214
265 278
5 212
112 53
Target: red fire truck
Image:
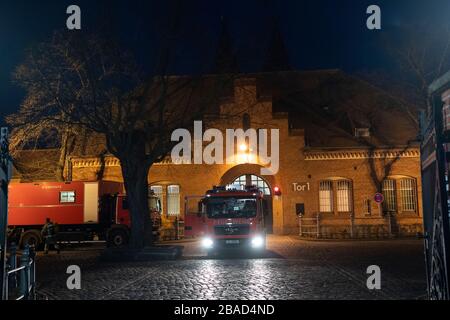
83 211
233 219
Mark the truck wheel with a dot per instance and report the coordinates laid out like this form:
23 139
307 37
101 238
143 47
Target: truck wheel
117 238
31 238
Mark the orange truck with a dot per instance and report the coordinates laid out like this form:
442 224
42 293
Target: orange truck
84 211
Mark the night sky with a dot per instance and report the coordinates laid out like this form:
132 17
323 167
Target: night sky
319 34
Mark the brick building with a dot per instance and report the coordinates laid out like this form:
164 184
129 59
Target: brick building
340 141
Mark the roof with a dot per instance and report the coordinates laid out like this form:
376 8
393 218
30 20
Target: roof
327 104
36 165
330 104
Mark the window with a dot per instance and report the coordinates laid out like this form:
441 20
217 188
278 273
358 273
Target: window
405 190
343 196
125 205
173 200
342 189
241 182
326 196
408 194
238 184
362 132
388 189
158 190
261 184
67 197
367 207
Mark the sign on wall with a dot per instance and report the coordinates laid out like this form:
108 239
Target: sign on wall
379 198
300 186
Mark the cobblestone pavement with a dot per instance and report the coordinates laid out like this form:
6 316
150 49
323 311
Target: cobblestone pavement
290 269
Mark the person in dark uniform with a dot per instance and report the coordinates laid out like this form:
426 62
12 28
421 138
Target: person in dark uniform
49 232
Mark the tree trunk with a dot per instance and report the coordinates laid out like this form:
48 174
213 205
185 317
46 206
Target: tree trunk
62 157
135 175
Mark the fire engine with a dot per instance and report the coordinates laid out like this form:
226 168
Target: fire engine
84 211
233 219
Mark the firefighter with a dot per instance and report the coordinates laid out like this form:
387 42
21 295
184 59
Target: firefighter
49 232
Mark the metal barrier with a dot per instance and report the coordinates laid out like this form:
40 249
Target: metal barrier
309 226
20 282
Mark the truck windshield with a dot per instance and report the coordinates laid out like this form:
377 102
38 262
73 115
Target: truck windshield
228 207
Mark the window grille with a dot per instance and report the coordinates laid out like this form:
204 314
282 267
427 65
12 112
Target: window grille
326 196
344 196
408 194
173 200
389 203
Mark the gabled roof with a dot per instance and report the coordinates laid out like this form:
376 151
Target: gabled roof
329 105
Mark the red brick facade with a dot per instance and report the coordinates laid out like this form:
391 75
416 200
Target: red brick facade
344 174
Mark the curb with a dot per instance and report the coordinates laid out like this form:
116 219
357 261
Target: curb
147 254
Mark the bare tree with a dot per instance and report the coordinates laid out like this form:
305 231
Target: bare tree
32 135
340 104
83 81
419 60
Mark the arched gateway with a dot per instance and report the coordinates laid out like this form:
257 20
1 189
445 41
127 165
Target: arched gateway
249 175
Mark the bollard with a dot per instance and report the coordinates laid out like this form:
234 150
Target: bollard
12 280
24 273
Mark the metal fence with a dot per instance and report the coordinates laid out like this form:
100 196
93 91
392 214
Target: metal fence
309 226
20 276
315 226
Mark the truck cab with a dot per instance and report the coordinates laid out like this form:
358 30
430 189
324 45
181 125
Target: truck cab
119 230
233 219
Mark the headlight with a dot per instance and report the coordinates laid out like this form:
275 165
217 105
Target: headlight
257 242
207 243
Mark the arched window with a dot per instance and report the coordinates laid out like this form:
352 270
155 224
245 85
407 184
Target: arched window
400 194
390 199
408 194
250 180
340 187
326 196
344 195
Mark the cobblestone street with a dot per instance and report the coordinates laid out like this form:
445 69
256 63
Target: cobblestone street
290 269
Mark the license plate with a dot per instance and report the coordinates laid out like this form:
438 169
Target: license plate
231 241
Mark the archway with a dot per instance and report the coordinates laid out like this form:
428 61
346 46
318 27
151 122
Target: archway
249 174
